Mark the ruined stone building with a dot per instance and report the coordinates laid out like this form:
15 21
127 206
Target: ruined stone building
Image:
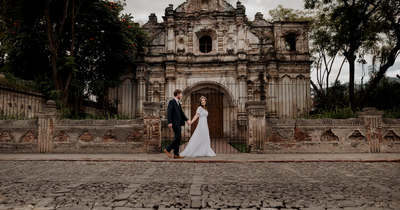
209 47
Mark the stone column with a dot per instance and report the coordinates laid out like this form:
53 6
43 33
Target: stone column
141 96
240 22
170 78
242 96
169 17
48 119
373 125
272 94
152 127
256 126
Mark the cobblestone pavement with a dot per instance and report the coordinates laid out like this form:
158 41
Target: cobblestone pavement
44 185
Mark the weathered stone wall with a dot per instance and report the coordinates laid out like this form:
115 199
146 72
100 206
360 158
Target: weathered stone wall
50 134
315 136
18 136
98 136
367 133
21 104
390 141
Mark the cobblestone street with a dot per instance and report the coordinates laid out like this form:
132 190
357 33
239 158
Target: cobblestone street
82 185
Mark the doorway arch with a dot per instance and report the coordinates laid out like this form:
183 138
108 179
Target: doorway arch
221 103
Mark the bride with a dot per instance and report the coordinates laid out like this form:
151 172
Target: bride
199 143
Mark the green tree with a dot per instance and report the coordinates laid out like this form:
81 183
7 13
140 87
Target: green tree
77 48
323 54
281 13
356 25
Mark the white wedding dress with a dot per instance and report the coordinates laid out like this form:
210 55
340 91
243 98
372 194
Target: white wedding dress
199 144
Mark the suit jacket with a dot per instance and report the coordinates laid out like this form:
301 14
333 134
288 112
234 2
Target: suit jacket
175 114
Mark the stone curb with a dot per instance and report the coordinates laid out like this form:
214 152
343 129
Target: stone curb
202 161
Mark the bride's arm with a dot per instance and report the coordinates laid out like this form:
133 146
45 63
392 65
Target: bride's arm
195 117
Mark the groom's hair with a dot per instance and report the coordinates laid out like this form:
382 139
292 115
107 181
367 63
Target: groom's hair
177 91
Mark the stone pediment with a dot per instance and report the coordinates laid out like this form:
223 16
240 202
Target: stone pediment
191 6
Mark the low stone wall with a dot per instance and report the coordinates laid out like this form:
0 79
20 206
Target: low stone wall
18 136
315 136
99 136
389 137
49 134
367 133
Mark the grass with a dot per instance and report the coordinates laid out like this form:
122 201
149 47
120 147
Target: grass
19 84
240 146
99 117
336 113
12 116
392 113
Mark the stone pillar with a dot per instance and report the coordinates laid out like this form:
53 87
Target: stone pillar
141 96
169 19
48 119
242 96
170 78
152 127
272 90
240 22
373 125
256 126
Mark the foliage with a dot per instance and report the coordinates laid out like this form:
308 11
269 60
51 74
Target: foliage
240 146
67 114
335 96
386 97
392 113
322 53
18 116
335 113
360 27
15 83
280 13
75 49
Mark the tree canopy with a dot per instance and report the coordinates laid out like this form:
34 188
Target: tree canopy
360 27
74 48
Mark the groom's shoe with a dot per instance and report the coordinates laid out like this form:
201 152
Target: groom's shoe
178 156
167 153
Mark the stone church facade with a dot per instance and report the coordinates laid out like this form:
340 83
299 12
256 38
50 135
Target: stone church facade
206 47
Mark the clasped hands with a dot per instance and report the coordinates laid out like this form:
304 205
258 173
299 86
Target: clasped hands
188 122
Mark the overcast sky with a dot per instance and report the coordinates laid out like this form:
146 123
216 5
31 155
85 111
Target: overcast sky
141 9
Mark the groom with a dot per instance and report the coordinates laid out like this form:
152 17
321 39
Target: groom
176 118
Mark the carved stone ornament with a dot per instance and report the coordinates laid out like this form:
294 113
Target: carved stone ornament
151 109
256 108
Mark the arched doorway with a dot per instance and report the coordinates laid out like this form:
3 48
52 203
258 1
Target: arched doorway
226 133
222 118
215 105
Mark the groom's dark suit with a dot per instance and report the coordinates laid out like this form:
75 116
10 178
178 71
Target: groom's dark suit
175 116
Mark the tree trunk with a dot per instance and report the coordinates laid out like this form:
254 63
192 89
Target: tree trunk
382 70
70 75
352 61
52 48
319 93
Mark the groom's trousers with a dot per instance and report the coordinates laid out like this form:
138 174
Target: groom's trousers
177 140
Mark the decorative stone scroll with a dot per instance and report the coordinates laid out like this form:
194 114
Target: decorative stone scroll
152 127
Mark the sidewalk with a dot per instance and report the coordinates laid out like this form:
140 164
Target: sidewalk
220 158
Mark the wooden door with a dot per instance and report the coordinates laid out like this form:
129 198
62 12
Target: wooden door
215 111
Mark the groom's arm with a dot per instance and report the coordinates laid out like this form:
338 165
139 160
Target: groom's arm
169 112
184 116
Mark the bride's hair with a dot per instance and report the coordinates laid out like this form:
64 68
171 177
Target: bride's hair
200 100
